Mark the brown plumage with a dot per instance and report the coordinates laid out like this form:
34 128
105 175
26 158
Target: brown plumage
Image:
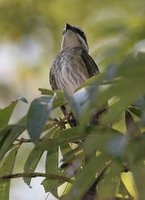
73 65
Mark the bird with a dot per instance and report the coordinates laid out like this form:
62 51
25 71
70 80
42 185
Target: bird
71 68
73 65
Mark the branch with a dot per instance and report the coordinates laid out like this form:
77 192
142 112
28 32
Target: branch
34 175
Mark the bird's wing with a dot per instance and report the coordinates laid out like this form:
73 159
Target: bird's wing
52 81
90 64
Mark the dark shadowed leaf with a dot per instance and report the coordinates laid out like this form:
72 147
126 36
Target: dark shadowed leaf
132 127
10 133
66 151
6 169
110 181
87 176
64 137
106 140
129 74
51 166
4 132
6 113
140 103
138 171
32 161
35 155
135 149
136 111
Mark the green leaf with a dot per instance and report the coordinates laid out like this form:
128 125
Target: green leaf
59 99
58 96
87 176
129 74
5 114
135 149
138 170
107 140
8 135
82 99
35 155
132 127
6 169
32 161
38 114
64 137
110 181
4 132
127 185
46 91
51 166
65 149
136 111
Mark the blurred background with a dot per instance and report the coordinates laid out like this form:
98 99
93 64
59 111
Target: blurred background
30 38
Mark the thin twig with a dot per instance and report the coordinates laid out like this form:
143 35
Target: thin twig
34 175
23 140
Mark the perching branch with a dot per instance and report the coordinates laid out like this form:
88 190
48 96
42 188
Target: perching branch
34 175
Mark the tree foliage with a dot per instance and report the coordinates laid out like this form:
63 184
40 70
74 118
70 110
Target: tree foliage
112 153
104 146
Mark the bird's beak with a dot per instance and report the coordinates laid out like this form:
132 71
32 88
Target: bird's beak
68 27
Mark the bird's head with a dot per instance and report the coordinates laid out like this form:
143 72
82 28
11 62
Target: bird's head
73 37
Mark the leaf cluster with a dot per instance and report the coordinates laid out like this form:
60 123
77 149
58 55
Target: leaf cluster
86 154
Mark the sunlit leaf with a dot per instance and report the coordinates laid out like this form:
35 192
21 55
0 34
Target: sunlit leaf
46 91
79 102
59 99
129 183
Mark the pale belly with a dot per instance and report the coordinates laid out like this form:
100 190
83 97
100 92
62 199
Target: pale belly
71 79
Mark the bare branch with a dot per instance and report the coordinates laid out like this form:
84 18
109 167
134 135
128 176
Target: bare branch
34 175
